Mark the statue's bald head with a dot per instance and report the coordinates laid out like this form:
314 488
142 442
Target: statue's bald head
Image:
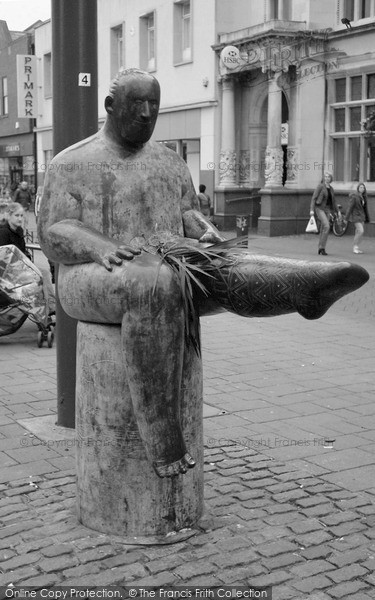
133 105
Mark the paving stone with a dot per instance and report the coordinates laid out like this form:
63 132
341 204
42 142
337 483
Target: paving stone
311 568
347 528
288 496
270 579
163 579
347 573
339 517
12 508
171 563
6 554
11 530
341 559
124 558
233 559
20 561
305 526
318 511
41 581
311 584
281 561
191 569
356 502
82 570
59 563
56 550
274 548
347 589
347 544
234 575
312 501
18 575
316 552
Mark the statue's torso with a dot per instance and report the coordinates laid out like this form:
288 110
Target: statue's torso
121 196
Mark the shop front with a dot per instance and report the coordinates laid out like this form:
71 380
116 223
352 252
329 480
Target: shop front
16 162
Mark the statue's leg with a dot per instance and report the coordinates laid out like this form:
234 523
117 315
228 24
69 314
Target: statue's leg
259 286
153 346
146 300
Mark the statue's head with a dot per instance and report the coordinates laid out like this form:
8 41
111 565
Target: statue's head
133 105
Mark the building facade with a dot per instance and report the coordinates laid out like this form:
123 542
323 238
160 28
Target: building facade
260 98
17 139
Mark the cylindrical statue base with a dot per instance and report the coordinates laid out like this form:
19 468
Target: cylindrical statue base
118 489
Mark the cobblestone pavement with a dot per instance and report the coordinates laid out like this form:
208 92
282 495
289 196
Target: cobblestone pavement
289 459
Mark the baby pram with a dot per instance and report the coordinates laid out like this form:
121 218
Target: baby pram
24 293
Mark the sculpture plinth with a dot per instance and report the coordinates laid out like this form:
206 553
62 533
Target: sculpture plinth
118 489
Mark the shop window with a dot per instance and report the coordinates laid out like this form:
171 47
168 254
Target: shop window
147 34
117 49
354 150
182 51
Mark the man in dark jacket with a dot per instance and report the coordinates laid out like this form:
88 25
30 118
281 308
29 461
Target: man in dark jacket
23 197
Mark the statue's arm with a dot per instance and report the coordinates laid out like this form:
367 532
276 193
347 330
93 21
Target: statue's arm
71 242
65 239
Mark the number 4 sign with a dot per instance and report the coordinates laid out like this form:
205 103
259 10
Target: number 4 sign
84 79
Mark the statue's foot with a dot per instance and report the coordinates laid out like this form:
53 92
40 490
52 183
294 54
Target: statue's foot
175 468
327 283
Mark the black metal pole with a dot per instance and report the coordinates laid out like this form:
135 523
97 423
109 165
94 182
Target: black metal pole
75 117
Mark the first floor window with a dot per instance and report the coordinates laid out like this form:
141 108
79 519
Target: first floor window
148 42
182 32
353 147
4 96
117 49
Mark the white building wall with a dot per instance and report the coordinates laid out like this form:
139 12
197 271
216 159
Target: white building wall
43 45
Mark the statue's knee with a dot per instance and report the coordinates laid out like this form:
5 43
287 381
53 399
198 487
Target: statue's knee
166 283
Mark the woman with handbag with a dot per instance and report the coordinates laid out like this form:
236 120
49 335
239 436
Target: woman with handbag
323 203
357 213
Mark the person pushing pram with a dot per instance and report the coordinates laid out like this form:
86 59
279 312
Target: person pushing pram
25 290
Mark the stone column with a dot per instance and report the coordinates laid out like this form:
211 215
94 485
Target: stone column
244 158
274 154
227 166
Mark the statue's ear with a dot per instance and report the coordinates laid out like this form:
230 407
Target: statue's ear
108 104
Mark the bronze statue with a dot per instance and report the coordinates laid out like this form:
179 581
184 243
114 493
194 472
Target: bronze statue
106 200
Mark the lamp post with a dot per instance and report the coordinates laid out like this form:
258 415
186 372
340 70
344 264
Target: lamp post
75 117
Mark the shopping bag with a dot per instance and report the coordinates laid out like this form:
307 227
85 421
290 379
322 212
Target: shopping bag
311 225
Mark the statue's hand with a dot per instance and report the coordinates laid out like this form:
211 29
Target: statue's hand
116 256
211 237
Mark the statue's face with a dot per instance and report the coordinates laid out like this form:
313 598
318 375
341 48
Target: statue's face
135 108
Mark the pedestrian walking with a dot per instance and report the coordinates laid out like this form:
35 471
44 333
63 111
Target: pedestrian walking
23 196
204 201
357 213
323 203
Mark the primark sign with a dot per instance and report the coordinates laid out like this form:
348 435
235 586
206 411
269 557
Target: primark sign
26 86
